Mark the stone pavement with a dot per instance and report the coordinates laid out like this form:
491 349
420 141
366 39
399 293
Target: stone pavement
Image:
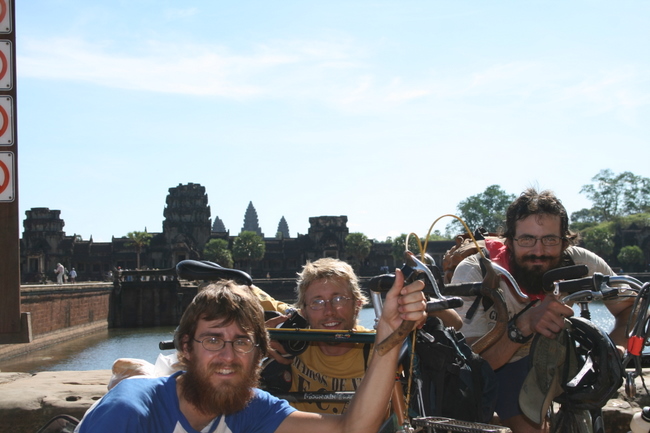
28 401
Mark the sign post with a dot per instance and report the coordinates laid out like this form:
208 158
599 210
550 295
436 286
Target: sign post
15 326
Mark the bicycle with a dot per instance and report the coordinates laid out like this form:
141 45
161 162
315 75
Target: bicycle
621 370
571 279
583 290
427 270
399 421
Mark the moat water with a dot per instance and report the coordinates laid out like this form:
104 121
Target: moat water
98 351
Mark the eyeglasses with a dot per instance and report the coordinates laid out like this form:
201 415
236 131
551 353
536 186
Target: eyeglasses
337 302
215 344
530 241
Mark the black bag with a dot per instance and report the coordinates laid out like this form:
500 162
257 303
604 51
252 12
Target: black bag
456 382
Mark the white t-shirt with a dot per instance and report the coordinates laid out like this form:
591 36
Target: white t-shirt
469 270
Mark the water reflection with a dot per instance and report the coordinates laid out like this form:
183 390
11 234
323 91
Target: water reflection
93 352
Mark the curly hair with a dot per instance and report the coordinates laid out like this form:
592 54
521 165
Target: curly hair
328 268
531 202
226 301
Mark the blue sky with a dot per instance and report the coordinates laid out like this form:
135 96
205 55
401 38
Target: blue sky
389 112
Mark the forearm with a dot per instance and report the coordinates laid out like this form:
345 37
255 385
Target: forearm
618 334
450 318
365 414
500 352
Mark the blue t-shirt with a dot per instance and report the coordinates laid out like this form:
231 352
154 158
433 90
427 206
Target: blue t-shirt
148 405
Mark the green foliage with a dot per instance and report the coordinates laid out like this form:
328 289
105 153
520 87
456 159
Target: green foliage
486 209
437 236
614 196
216 250
139 240
631 257
248 246
599 239
639 220
584 218
357 245
398 246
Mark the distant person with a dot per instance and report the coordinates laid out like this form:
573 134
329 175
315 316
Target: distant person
59 271
73 276
221 340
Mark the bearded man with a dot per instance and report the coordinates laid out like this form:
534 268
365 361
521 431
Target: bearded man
220 340
536 240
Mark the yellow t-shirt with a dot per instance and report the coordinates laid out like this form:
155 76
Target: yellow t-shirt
268 303
314 371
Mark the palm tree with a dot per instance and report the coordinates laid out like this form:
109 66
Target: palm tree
248 247
358 246
216 250
139 240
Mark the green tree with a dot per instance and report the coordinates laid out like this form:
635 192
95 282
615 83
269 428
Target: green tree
638 220
398 246
599 239
216 250
631 257
249 248
357 245
486 209
139 240
615 195
584 218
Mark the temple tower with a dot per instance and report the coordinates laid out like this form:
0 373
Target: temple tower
251 223
187 221
218 225
43 238
283 229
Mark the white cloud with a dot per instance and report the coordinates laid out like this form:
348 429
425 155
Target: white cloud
338 72
173 14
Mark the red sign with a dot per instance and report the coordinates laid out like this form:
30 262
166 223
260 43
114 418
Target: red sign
6 121
5 16
7 190
6 71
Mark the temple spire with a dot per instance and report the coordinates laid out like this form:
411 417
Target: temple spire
283 229
218 225
250 221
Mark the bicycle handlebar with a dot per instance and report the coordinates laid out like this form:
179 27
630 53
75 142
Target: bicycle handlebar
463 289
564 273
596 283
443 304
591 295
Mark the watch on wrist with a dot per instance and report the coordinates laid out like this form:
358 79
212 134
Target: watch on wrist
514 333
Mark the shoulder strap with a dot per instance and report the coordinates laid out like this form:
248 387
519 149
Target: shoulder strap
366 355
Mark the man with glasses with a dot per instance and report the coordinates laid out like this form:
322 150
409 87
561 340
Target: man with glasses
221 340
329 297
536 239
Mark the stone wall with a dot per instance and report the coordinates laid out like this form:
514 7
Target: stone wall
53 308
150 303
60 313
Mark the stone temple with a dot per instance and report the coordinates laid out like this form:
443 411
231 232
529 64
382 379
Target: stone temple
187 227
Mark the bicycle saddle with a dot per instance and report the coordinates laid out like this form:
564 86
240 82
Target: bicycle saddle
205 270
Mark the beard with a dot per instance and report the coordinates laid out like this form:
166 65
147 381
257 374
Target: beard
224 399
529 276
